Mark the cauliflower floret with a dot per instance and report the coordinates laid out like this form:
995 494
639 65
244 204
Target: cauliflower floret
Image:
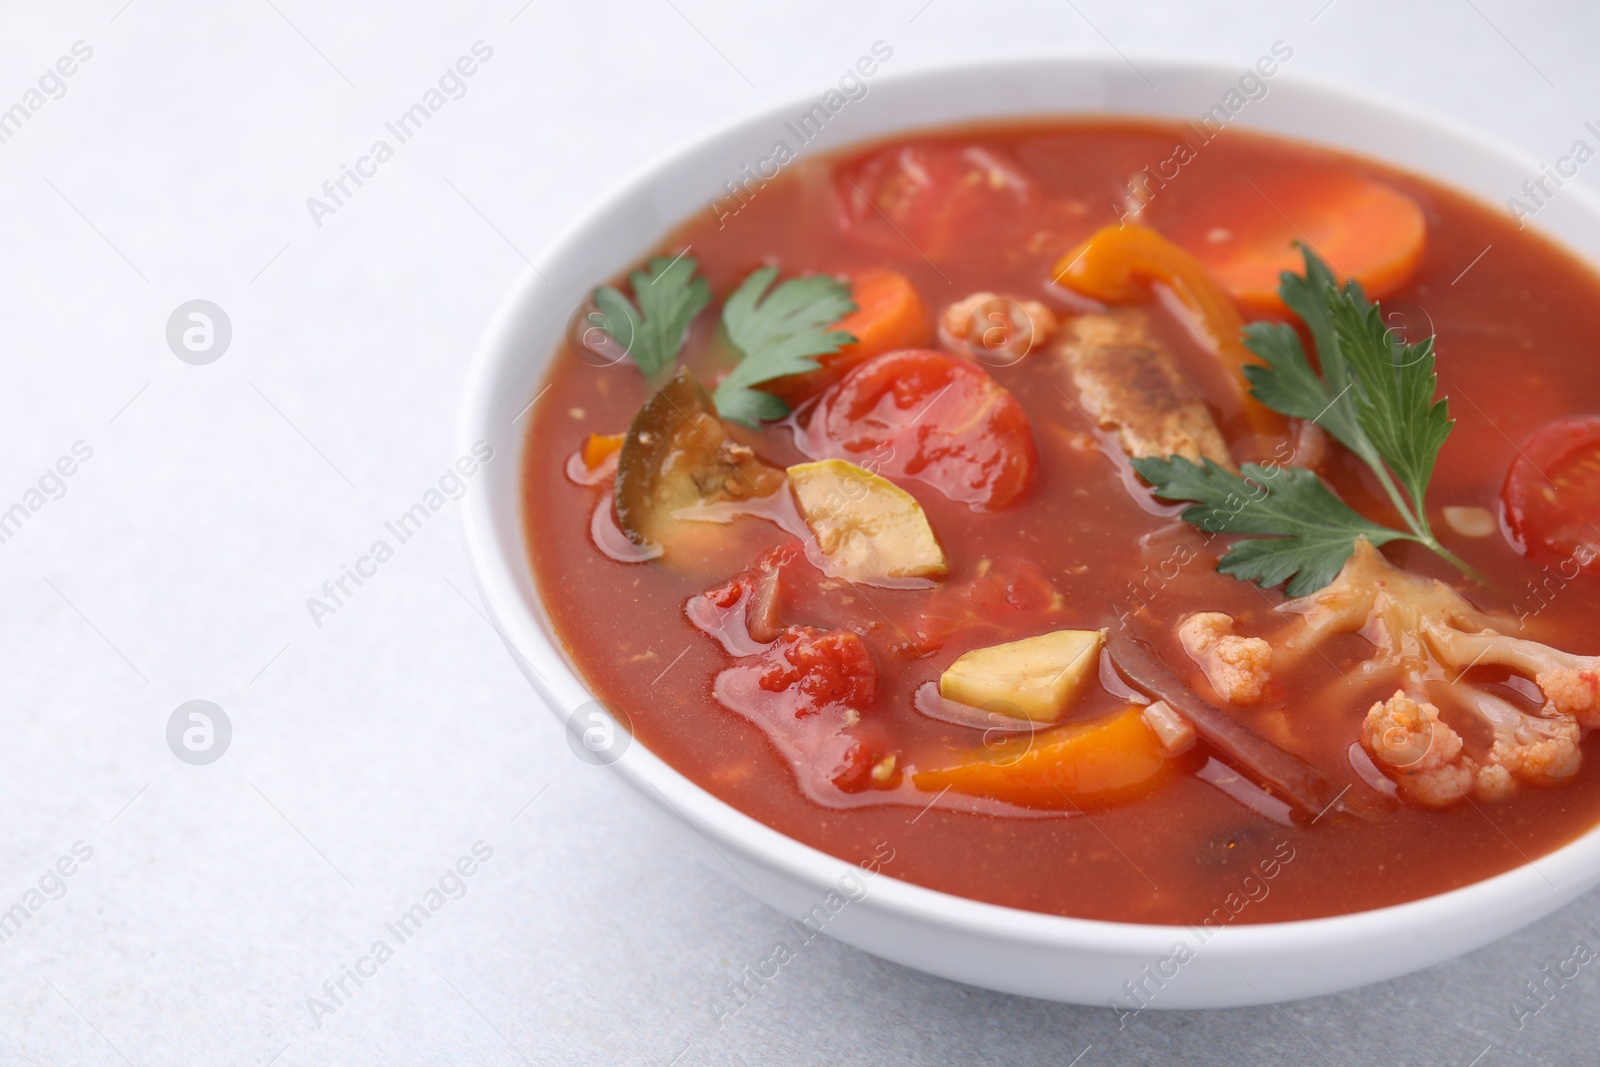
1425 758
1495 782
998 325
1386 605
1238 668
1531 748
1570 683
1430 636
1573 691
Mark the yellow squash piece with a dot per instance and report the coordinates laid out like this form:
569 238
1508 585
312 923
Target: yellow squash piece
868 528
1035 678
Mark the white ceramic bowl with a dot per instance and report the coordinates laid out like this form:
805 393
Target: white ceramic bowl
1000 948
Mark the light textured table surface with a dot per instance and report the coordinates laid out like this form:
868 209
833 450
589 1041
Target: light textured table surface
370 753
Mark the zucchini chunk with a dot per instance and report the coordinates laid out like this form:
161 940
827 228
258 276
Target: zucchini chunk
1034 678
868 528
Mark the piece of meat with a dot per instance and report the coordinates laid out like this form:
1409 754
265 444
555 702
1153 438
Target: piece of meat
1130 385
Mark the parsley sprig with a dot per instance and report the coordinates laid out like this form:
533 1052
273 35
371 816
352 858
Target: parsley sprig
1374 394
778 331
778 334
670 295
1312 532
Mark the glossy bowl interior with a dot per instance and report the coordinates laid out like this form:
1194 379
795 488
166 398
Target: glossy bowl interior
1000 948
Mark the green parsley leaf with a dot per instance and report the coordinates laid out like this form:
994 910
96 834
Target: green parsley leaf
1394 398
1374 394
670 295
1312 532
777 334
1288 384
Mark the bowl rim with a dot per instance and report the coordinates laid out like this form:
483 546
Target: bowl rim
1551 879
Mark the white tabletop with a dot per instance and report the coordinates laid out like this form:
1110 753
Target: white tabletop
370 753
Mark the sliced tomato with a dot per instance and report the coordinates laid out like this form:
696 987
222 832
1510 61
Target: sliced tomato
1552 493
930 417
744 613
808 691
926 199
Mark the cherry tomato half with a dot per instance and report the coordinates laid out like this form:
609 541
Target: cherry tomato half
1552 492
933 418
926 199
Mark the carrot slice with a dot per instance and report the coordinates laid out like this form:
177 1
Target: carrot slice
889 316
1364 229
1069 767
1119 264
599 447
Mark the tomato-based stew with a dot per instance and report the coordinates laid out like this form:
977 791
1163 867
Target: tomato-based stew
1205 548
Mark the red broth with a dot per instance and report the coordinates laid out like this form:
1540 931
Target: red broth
1514 335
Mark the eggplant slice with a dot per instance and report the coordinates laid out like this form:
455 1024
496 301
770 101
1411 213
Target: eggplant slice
678 455
1286 774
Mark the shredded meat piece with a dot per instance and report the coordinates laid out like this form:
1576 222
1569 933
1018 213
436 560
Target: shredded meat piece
1130 386
1238 668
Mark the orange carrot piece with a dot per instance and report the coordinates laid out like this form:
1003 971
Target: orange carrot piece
600 447
1363 229
1074 766
889 316
1119 264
